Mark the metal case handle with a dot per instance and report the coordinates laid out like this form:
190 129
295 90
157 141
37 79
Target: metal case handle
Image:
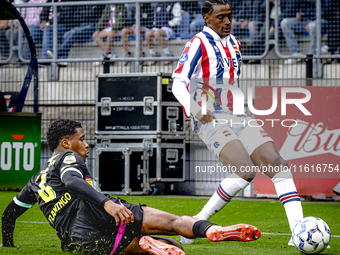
172 117
148 106
106 109
171 155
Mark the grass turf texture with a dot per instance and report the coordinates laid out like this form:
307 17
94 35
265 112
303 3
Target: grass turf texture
269 216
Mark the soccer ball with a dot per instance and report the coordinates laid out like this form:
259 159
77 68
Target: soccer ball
311 235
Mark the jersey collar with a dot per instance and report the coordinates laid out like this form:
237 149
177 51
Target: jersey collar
214 34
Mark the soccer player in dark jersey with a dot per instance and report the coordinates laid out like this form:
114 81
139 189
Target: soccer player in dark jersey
90 222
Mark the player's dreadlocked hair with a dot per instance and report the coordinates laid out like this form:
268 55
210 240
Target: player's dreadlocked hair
58 130
208 5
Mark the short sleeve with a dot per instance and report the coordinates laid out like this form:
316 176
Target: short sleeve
71 161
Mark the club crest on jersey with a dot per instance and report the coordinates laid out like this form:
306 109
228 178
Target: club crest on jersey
183 58
236 50
69 159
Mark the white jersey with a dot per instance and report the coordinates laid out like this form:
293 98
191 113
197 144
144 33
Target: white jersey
207 56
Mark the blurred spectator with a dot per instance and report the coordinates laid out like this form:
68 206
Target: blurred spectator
272 17
113 19
146 14
300 17
333 17
4 46
166 17
31 16
85 18
43 32
191 7
65 23
251 18
195 10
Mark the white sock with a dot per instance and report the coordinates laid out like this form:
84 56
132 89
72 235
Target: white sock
228 188
152 51
286 191
166 51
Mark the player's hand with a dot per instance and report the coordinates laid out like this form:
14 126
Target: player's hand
119 212
204 119
9 246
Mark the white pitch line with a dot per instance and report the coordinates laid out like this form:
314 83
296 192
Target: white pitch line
35 222
263 233
286 234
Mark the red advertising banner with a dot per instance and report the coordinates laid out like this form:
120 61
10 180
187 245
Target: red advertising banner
309 143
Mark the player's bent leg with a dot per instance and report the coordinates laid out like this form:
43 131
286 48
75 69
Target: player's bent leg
159 222
233 155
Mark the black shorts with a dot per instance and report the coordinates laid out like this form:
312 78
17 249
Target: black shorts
94 230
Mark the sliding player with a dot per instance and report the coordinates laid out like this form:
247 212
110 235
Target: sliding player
90 222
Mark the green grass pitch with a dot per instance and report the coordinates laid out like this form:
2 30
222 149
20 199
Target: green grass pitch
34 235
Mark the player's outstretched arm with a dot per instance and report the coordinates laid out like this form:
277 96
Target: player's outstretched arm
11 213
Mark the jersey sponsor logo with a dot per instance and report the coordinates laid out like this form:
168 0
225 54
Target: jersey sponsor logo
216 144
226 133
58 206
183 58
70 159
219 63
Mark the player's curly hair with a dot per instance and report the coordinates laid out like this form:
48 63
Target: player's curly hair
208 5
58 130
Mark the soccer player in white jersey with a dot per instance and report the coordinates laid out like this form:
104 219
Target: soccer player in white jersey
214 54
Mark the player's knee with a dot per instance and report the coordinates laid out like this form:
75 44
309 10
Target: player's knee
247 173
280 169
280 162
